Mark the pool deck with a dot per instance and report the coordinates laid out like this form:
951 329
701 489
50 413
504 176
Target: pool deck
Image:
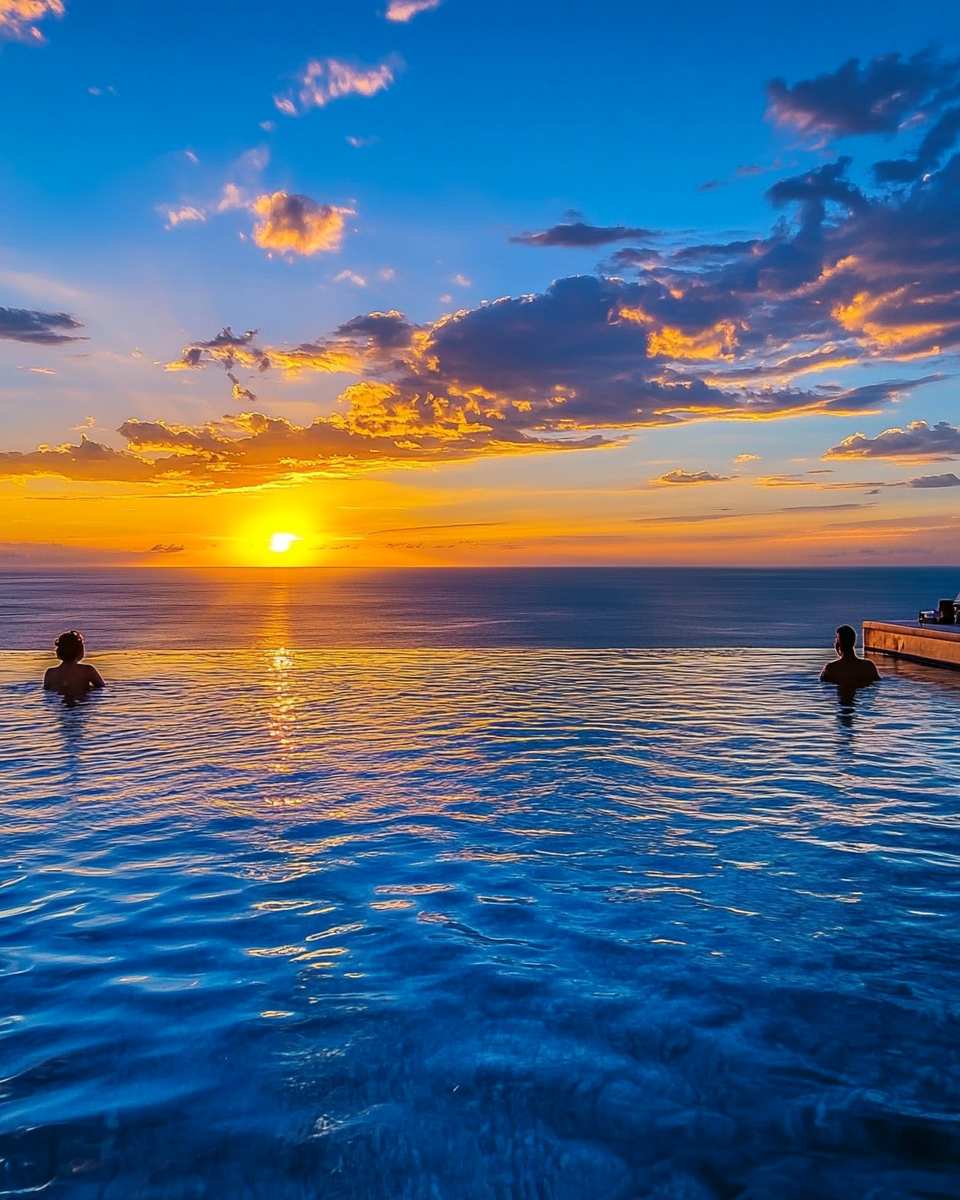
938 645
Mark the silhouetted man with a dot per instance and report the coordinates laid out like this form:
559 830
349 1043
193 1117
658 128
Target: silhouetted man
847 671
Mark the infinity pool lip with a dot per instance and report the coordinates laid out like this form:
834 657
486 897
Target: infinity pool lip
625 922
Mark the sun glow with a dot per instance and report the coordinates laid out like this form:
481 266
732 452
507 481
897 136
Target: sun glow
281 535
280 543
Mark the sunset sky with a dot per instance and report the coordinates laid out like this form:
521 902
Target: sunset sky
436 282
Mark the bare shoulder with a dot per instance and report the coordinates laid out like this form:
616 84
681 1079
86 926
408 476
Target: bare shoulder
51 678
829 673
93 675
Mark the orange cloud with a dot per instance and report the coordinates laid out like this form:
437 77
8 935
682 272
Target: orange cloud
288 222
297 224
232 350
893 322
379 429
717 342
18 18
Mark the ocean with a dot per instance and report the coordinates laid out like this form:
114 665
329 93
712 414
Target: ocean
130 609
476 885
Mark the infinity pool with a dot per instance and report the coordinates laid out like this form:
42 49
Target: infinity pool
490 925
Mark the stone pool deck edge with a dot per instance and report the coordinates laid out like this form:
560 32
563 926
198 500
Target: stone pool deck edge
936 646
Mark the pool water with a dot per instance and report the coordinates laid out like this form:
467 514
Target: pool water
497 925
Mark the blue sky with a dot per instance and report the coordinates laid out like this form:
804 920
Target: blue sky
150 155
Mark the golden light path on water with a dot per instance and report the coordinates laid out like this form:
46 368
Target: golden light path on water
609 922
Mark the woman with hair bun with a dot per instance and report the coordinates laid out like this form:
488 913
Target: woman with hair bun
72 678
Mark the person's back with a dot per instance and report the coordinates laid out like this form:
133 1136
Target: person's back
72 678
846 670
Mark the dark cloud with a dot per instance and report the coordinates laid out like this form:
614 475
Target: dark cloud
918 442
579 234
876 98
588 354
385 330
634 256
38 328
934 481
937 142
160 548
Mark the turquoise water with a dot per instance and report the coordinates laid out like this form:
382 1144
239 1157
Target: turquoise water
498 925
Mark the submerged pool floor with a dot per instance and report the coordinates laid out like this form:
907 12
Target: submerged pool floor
510 925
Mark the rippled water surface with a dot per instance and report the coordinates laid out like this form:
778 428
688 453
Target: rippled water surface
504 925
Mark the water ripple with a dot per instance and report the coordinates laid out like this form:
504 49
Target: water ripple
479 924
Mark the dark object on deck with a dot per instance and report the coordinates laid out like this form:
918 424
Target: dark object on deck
946 613
913 640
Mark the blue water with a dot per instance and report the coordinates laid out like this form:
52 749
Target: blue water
159 608
513 924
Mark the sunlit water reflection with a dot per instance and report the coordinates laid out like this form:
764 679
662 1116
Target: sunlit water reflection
479 924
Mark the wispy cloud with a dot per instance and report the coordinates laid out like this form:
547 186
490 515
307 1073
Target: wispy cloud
919 442
19 18
186 212
326 79
40 328
406 10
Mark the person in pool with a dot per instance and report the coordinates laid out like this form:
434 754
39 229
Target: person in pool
847 671
72 679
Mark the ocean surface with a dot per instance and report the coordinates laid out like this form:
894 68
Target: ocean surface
503 921
157 608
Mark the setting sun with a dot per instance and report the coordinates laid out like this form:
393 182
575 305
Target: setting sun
280 543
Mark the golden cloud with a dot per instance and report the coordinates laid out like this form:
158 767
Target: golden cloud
287 222
18 18
380 429
296 224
